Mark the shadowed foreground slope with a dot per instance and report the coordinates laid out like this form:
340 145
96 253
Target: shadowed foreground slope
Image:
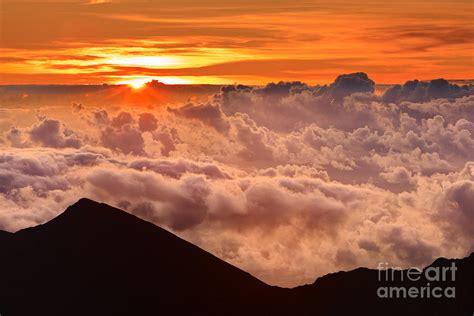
94 259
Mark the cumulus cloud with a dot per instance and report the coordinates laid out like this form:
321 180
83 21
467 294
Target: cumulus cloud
126 139
16 138
345 85
122 119
420 91
99 117
168 138
147 122
51 133
457 207
209 114
287 181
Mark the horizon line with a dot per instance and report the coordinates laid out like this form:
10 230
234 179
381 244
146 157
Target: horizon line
214 84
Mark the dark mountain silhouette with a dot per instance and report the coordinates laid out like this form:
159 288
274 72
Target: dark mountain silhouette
94 259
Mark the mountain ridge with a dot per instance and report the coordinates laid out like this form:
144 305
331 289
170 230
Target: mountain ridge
115 263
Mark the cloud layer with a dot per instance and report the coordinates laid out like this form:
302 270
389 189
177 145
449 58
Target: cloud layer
287 181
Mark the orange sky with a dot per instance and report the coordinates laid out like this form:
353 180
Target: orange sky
254 42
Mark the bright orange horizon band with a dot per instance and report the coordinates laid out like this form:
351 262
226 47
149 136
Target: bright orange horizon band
253 42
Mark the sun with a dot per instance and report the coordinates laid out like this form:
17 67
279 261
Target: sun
137 84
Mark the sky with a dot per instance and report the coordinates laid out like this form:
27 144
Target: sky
251 42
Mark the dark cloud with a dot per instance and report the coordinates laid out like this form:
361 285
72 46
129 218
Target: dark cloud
147 122
52 133
420 91
123 118
236 87
281 89
345 85
210 114
125 139
168 138
100 117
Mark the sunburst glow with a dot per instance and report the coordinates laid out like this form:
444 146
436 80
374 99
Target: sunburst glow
139 82
136 83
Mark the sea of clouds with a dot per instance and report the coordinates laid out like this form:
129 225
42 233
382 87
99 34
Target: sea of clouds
286 181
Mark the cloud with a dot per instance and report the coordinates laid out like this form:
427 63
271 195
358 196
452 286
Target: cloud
457 208
420 91
168 138
99 117
176 169
288 106
16 138
126 139
122 119
122 133
209 114
51 133
348 84
398 175
147 122
274 179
